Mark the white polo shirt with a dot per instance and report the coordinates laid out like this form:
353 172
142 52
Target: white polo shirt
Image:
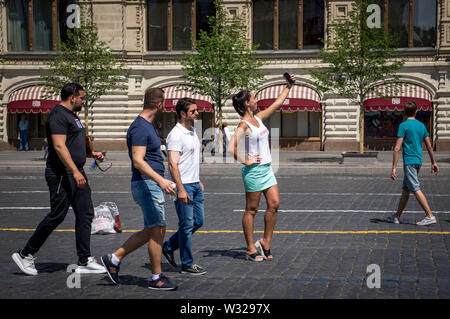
187 143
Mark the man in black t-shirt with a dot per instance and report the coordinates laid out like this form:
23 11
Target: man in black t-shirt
67 183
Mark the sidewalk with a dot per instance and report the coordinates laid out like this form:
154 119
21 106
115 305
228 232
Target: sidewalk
307 162
291 158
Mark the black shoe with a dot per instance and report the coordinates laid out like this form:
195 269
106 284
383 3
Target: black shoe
111 269
170 258
163 283
194 270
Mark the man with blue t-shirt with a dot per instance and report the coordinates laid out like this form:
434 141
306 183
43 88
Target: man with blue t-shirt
148 186
411 134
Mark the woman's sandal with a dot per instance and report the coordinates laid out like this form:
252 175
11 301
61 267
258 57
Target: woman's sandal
254 257
265 253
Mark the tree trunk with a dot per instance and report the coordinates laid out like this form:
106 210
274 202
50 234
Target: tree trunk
219 102
219 107
86 119
361 129
219 118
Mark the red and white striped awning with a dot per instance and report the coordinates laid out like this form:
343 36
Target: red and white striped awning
172 94
300 98
31 99
404 93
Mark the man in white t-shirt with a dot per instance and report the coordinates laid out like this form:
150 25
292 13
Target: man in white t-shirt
183 148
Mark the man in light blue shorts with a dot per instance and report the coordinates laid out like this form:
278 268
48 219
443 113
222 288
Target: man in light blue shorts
148 186
411 134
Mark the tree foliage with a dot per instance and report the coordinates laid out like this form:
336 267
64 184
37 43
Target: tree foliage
86 60
222 62
358 58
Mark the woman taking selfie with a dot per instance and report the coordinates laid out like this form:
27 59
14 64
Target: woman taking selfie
257 172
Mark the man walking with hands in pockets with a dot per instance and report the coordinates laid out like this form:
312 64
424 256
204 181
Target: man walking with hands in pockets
183 146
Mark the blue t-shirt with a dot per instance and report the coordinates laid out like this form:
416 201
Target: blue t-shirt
142 133
413 132
23 125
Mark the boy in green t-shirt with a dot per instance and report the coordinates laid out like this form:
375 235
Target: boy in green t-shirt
411 134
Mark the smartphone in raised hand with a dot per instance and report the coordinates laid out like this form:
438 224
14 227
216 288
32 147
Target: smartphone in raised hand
288 78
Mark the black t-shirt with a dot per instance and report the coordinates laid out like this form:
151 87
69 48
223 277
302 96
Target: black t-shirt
65 122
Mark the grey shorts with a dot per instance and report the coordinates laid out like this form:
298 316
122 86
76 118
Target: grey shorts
411 178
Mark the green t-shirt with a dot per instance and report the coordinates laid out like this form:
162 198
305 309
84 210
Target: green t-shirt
413 132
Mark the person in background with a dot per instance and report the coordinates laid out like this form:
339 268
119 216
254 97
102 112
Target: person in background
226 136
23 133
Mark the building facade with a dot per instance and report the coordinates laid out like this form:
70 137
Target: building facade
152 34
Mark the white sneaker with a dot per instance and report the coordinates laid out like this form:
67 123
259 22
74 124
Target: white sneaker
427 221
25 264
393 219
92 267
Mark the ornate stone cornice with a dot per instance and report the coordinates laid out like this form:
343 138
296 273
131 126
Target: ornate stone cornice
272 57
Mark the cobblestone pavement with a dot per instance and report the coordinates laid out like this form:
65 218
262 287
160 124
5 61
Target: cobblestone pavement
331 225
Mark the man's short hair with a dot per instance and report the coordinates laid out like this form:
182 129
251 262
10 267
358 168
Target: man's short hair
152 97
70 89
183 105
410 108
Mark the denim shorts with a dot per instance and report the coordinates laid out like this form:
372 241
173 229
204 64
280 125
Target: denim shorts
150 197
411 178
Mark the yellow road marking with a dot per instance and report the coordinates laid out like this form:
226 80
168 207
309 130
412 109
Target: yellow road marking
355 232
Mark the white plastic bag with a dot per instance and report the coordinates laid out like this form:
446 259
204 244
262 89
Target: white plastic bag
104 218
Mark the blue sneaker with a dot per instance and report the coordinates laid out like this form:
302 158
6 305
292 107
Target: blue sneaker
111 269
163 283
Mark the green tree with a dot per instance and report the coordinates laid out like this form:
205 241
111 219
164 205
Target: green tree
222 62
86 60
358 58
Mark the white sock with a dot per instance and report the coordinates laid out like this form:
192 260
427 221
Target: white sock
115 260
155 277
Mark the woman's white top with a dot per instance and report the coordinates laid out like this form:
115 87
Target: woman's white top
257 142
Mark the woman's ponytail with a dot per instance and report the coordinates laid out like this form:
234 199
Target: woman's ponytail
239 101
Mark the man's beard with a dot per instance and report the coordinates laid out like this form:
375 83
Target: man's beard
78 108
159 115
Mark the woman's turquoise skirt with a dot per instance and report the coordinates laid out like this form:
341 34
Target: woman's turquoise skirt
258 177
